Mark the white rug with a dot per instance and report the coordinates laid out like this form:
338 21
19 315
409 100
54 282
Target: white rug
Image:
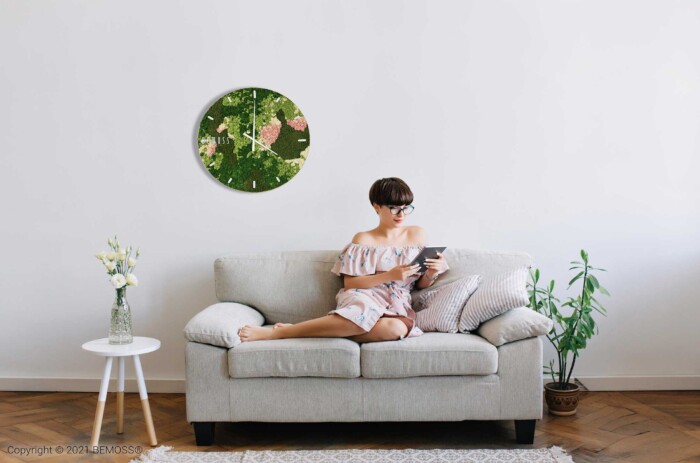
552 454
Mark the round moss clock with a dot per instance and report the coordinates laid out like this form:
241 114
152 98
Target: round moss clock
253 139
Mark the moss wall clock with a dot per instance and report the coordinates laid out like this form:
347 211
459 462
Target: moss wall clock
253 139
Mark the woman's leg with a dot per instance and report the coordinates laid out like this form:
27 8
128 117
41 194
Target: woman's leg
329 326
386 329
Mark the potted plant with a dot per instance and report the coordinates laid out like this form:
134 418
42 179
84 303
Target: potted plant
560 394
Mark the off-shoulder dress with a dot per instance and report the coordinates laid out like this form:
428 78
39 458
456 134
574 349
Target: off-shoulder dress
364 306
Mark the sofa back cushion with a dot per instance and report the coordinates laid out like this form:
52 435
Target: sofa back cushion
465 262
293 286
287 286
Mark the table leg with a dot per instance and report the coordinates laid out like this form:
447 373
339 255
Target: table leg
120 397
144 401
101 399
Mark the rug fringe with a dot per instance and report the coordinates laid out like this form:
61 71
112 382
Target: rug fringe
560 455
153 455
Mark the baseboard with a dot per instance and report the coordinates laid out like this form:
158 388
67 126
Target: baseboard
592 383
639 383
87 385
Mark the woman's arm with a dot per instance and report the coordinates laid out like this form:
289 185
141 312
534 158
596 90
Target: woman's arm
426 280
432 274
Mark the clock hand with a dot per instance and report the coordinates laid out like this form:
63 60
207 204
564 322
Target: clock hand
255 141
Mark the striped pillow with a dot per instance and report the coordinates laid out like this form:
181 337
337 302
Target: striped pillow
496 294
443 306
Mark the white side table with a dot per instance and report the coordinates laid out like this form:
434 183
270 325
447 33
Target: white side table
103 348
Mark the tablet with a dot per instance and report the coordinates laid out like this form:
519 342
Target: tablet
429 252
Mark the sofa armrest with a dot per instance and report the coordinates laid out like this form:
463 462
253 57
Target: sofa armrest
219 323
514 325
520 379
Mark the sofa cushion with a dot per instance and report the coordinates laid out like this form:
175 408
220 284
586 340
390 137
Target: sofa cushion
514 325
431 354
288 287
219 323
442 307
465 262
294 357
494 296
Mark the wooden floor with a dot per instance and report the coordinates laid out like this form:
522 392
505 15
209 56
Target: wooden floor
658 427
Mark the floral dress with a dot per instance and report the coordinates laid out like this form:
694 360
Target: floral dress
364 306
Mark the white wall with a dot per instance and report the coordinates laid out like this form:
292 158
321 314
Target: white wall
544 127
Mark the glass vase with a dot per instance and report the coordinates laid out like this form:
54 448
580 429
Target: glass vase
120 325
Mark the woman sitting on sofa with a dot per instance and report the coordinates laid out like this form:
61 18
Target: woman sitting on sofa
375 302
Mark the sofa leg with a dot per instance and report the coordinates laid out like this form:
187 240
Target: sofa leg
525 431
204 433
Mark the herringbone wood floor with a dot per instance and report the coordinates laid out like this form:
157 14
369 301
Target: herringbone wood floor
635 427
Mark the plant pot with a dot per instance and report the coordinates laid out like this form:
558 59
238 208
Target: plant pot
562 402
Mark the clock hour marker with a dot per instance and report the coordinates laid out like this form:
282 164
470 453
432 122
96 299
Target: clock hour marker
253 183
254 94
229 180
302 139
229 99
212 164
278 179
277 100
210 118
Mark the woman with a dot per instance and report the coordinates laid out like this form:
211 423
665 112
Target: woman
375 302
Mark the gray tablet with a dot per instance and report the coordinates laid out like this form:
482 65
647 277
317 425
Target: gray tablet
429 252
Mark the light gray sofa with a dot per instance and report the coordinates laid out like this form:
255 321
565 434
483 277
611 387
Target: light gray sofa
433 377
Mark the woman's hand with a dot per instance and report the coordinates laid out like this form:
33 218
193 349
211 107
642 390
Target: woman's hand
401 272
436 266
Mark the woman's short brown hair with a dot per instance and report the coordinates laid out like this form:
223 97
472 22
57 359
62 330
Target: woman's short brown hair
391 191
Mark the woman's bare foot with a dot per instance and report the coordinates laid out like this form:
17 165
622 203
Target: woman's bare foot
255 333
277 325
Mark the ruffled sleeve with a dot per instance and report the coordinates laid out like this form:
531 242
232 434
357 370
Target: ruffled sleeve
355 260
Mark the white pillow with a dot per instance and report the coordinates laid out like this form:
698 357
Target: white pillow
442 306
495 295
514 325
219 323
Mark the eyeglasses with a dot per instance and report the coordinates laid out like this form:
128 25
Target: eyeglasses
396 209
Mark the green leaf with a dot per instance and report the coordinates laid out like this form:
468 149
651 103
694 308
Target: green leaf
603 290
594 280
589 285
586 330
598 308
576 277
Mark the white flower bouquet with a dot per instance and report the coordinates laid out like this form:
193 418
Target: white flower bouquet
120 267
119 264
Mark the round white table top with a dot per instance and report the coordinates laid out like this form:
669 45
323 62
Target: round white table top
140 345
